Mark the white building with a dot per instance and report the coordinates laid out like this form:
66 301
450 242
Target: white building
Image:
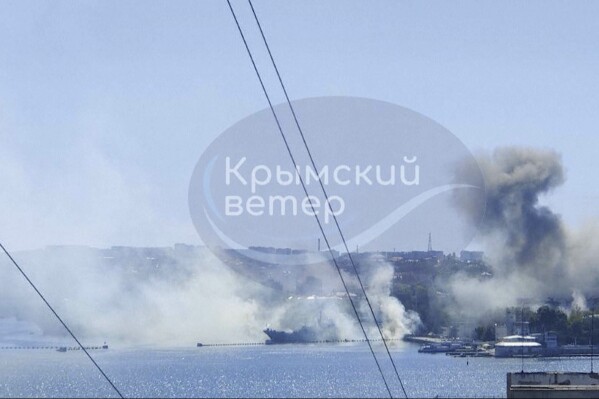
518 345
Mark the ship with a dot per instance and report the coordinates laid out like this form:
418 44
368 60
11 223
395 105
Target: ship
304 335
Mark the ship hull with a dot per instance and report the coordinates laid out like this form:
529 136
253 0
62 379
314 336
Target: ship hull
302 336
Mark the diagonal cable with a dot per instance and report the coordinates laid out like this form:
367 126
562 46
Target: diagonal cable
309 199
60 320
326 195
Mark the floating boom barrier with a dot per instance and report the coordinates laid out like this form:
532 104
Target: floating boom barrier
52 347
328 341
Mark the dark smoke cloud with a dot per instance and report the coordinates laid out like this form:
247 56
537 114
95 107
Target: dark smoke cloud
532 252
534 236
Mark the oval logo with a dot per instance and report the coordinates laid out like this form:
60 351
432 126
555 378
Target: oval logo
389 173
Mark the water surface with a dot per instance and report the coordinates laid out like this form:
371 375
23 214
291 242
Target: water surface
346 370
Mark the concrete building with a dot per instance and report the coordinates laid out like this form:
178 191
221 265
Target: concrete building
552 385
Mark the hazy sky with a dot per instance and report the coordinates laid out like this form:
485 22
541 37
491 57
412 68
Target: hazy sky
106 106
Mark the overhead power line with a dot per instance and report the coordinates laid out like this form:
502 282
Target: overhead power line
324 191
292 158
309 199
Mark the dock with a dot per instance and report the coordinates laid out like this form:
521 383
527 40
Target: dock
552 385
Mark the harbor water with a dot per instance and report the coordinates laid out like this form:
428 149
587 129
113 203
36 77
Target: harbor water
342 370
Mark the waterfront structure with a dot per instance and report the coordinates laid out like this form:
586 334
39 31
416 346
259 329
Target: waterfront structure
552 385
518 345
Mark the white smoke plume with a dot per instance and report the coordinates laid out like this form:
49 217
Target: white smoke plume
176 299
396 321
578 301
181 304
332 315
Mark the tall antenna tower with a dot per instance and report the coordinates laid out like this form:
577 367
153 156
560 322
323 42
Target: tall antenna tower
430 242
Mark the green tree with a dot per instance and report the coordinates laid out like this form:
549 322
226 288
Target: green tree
551 319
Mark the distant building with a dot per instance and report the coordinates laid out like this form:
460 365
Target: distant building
518 345
472 256
548 340
415 255
500 332
514 325
465 329
521 328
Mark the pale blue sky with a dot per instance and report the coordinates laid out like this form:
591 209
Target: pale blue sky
105 106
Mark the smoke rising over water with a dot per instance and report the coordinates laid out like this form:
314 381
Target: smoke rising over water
330 312
396 321
532 252
165 296
180 296
133 300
